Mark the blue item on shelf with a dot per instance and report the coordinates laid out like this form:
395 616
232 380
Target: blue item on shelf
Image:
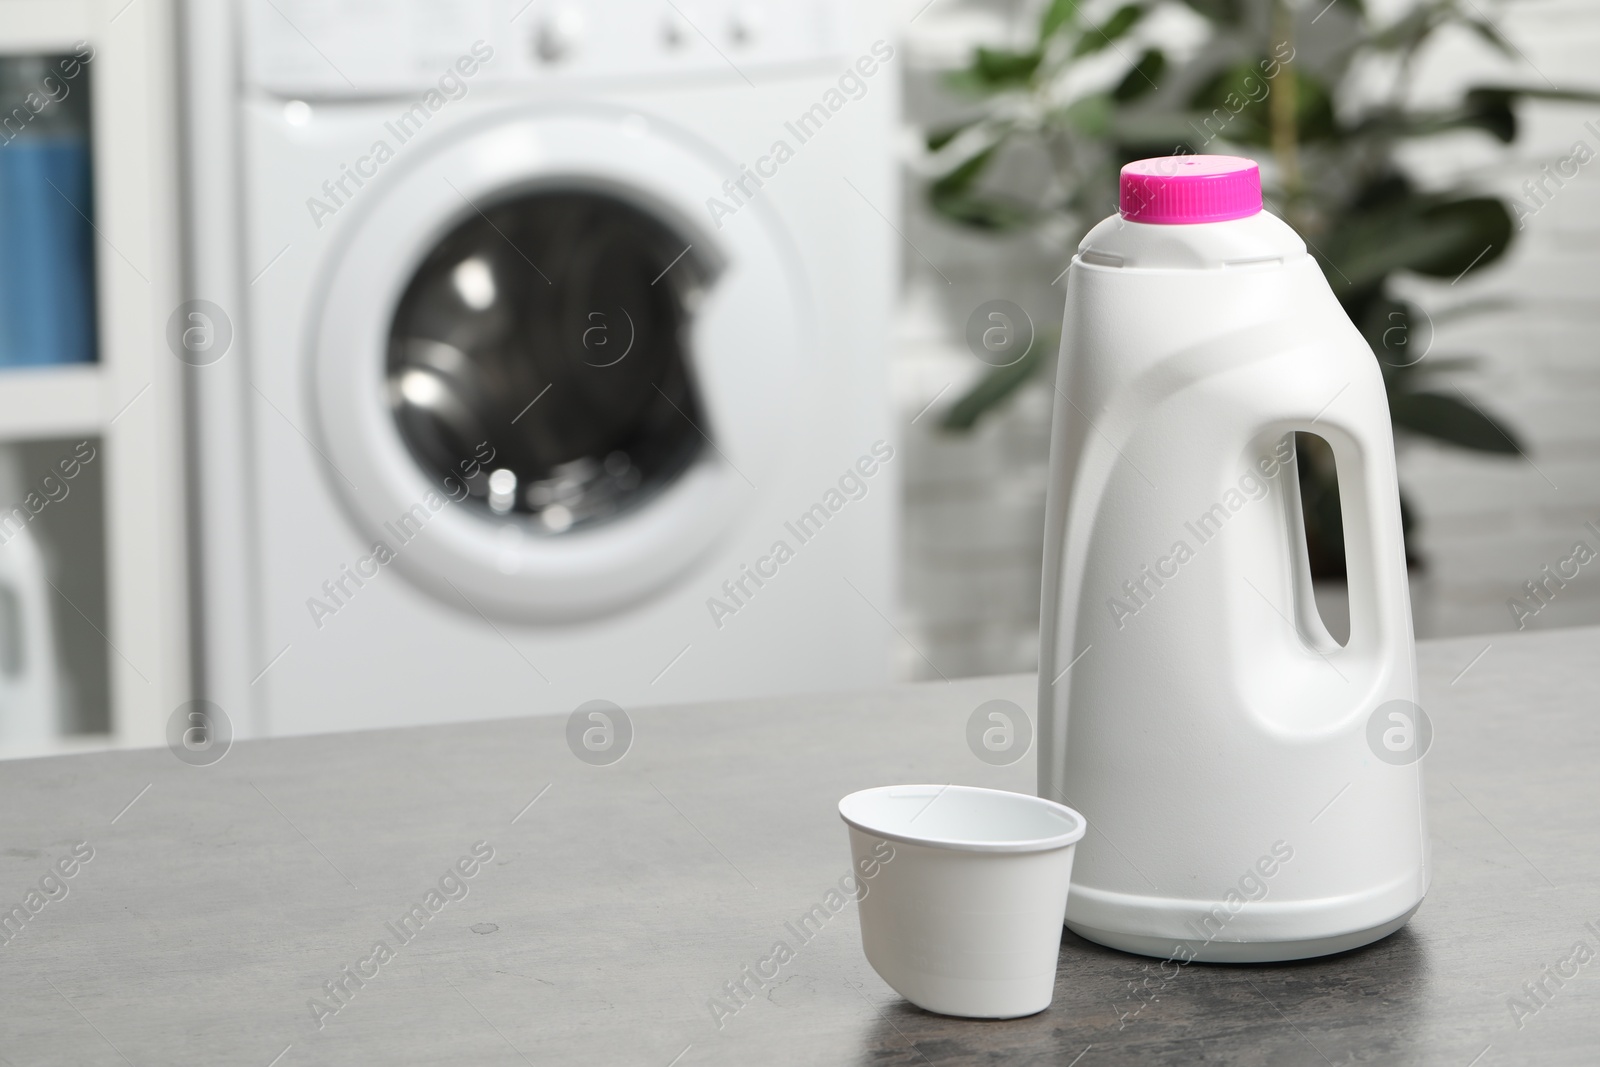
47 287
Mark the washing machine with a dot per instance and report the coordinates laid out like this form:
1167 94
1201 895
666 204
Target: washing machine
541 354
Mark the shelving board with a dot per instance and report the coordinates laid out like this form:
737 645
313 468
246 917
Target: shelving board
38 402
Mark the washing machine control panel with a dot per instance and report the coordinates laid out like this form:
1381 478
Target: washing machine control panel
369 48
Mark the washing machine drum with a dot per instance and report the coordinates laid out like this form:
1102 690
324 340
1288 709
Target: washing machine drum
542 380
559 394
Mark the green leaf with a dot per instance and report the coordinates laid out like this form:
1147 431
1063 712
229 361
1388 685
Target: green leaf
961 177
1485 29
989 391
1227 12
1513 93
1363 252
938 138
1390 189
1478 232
1058 14
1090 114
981 212
1440 239
1003 67
1143 77
1448 419
1096 38
952 197
995 69
1487 110
1386 327
1493 116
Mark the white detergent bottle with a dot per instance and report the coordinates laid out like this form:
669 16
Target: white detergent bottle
1253 789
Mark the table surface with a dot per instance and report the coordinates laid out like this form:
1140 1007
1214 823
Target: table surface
220 899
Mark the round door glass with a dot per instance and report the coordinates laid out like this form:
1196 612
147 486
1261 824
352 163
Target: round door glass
538 361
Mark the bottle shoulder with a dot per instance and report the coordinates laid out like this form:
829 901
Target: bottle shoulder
1260 239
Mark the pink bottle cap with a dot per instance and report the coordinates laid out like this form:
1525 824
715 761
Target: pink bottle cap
1172 190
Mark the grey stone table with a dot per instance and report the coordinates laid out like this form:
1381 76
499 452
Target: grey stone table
590 914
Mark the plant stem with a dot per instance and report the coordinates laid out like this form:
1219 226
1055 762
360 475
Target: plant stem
1282 111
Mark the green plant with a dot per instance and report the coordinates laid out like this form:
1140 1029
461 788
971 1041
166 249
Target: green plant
1277 85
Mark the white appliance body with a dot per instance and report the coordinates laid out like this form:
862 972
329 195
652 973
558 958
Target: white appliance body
1192 704
374 147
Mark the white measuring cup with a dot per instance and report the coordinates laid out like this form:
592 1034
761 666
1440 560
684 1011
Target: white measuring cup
964 915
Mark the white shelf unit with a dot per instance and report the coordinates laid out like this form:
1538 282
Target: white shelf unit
130 401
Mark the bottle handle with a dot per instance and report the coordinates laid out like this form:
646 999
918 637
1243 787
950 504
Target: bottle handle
1369 502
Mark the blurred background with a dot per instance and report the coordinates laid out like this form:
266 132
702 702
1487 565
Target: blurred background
1404 152
368 364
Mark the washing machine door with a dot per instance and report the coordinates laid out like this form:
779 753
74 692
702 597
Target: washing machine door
545 383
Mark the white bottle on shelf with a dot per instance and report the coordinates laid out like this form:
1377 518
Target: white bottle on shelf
30 665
